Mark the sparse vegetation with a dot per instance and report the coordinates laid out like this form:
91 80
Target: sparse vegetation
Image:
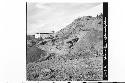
73 54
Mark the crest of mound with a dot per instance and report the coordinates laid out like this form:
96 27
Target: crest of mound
82 35
85 23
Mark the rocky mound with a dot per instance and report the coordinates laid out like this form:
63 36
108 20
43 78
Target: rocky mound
75 53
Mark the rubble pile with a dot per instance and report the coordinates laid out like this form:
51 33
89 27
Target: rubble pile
74 53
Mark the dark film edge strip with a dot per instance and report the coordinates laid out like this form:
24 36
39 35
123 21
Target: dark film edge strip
105 40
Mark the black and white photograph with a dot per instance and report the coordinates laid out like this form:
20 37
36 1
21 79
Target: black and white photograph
64 42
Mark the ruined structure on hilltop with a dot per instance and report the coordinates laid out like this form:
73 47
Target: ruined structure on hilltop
44 35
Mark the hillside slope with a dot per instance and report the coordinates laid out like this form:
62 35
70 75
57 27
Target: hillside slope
75 53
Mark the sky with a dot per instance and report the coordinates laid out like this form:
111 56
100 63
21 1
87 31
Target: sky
47 17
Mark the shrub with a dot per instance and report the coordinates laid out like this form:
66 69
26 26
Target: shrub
33 54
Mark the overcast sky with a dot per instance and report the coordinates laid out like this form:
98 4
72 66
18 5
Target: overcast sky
46 17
